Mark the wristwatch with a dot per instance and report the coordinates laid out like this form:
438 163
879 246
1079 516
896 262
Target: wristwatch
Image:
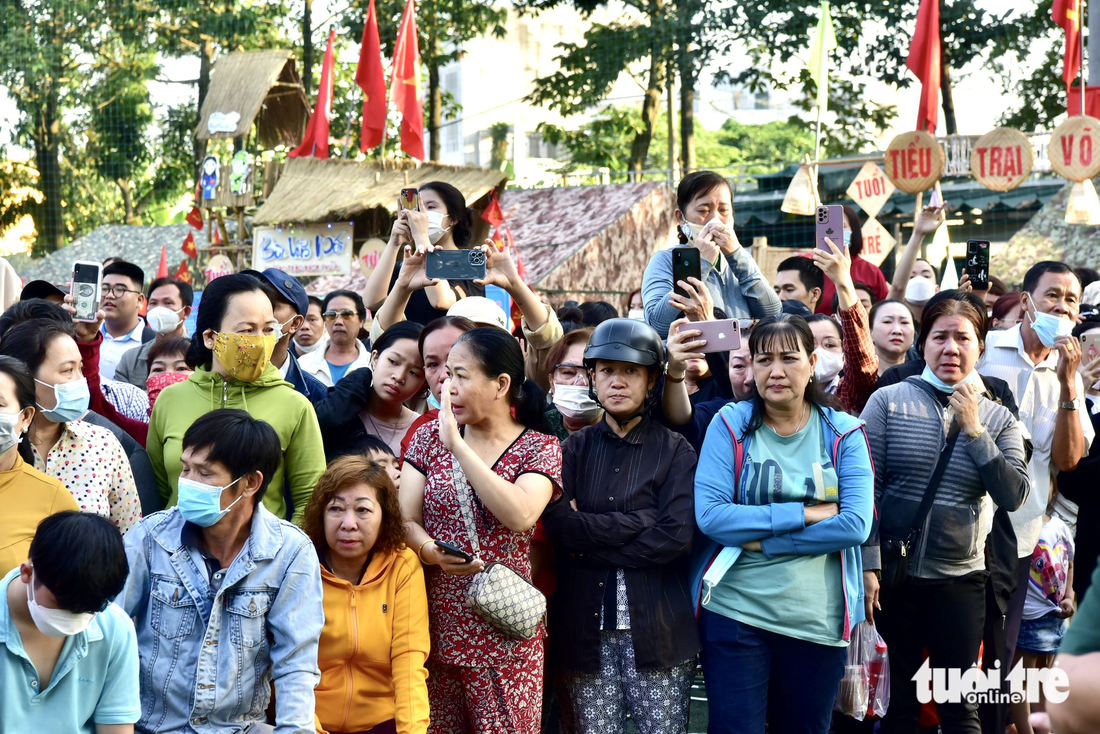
1068 405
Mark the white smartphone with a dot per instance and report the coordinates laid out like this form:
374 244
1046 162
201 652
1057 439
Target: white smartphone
85 288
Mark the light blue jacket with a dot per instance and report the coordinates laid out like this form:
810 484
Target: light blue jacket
737 287
726 521
207 660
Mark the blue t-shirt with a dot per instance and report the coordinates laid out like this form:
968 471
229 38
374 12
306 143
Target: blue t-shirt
338 371
800 596
94 682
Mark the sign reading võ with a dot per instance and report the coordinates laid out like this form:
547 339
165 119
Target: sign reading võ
1001 159
1074 148
914 161
305 249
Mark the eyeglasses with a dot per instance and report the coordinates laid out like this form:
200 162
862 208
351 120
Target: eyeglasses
570 374
345 314
118 290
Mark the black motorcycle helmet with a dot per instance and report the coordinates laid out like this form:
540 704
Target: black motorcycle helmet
627 340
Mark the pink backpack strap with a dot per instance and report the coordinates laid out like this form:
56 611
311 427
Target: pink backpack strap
738 455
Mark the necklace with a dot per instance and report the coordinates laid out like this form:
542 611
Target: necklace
805 412
382 426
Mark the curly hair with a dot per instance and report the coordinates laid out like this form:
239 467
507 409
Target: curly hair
345 472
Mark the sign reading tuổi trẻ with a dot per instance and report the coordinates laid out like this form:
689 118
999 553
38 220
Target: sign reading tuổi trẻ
871 189
304 249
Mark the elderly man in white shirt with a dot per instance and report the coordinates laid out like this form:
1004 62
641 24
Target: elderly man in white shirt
1038 358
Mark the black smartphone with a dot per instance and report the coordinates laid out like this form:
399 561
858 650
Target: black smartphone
977 264
409 199
453 551
685 264
85 288
455 264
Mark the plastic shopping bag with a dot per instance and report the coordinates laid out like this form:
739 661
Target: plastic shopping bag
865 688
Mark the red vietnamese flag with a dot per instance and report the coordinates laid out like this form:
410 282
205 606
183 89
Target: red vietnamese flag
369 77
315 142
924 62
162 269
189 246
1067 13
405 85
182 272
194 217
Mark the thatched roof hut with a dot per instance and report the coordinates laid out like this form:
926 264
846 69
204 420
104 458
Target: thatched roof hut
260 86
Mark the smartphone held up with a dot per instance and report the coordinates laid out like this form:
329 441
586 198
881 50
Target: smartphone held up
87 281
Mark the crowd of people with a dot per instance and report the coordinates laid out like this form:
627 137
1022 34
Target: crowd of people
390 512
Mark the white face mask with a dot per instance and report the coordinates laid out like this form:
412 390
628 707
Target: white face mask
828 365
691 230
638 314
574 402
162 319
279 333
919 291
312 347
56 622
435 226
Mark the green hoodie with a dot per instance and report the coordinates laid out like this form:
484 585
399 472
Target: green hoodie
271 399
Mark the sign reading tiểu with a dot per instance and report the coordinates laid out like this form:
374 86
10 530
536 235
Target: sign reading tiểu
914 161
877 241
1001 159
1074 148
871 189
304 249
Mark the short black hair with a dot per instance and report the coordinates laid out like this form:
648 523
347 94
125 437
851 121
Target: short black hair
1086 275
315 301
127 270
169 345
187 295
858 285
370 442
34 308
1039 269
80 558
594 313
810 275
360 307
30 341
969 306
242 443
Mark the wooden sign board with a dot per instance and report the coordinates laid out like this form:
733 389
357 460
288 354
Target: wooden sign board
877 242
1074 149
304 249
914 161
1001 159
871 189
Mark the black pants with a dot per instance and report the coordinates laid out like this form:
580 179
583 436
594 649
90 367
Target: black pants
944 617
1015 612
994 716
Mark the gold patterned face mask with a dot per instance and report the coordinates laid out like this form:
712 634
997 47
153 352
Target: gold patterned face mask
244 356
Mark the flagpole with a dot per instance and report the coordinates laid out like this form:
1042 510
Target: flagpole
351 111
1081 42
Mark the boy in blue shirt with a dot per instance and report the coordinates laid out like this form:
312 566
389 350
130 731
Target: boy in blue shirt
68 657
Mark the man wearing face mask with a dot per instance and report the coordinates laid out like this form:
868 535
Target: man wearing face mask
170 304
68 656
1038 358
228 595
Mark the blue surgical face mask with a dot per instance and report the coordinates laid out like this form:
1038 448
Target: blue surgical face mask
71 400
972 379
847 237
1048 327
433 403
202 503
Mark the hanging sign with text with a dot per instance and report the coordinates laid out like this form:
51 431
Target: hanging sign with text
914 161
877 242
1001 159
1074 148
871 189
304 249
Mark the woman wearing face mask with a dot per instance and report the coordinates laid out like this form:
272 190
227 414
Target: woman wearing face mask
442 222
635 306
87 459
704 213
167 366
573 408
231 349
862 271
28 495
503 468
783 492
914 279
939 603
892 332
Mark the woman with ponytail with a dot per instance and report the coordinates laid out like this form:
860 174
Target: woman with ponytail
489 447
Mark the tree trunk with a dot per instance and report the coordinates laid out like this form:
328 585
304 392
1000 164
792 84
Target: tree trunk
639 149
50 223
307 46
687 92
948 96
435 94
199 146
127 199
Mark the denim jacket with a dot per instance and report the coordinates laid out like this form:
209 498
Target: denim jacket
207 659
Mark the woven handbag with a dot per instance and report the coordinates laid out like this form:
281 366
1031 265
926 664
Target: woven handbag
498 594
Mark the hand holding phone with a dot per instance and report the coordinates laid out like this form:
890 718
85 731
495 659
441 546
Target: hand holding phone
723 335
830 224
686 263
454 551
456 264
977 264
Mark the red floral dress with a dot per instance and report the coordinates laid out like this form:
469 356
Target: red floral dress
459 636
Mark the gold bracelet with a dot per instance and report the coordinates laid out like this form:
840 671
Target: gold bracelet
973 436
429 540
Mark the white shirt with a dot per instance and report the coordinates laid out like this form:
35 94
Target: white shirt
315 363
1037 393
112 349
